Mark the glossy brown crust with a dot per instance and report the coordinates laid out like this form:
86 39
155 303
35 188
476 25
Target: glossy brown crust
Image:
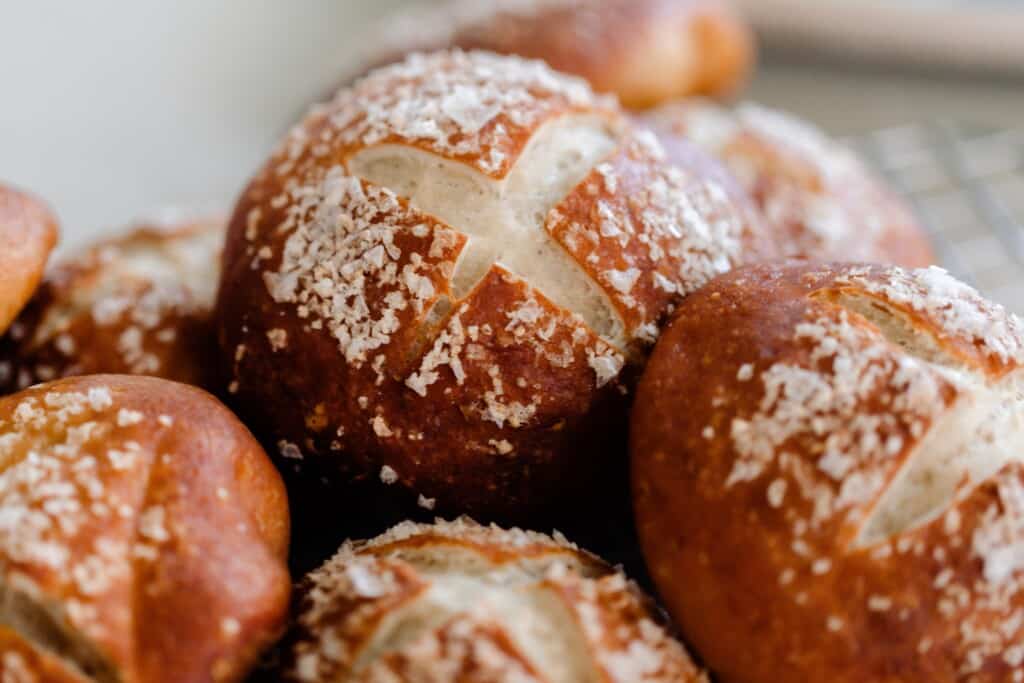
28 231
352 604
644 51
627 186
819 199
498 405
159 527
680 152
770 421
21 662
107 311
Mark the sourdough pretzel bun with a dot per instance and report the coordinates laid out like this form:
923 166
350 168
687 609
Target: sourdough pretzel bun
828 466
440 276
459 602
644 51
28 231
822 201
143 535
136 304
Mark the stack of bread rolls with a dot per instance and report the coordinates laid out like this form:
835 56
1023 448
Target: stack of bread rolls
470 286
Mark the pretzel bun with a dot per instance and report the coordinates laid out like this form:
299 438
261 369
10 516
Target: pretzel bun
136 304
441 274
824 203
643 51
143 535
459 602
28 232
828 466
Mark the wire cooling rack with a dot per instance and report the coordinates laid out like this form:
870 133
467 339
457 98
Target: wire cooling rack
967 184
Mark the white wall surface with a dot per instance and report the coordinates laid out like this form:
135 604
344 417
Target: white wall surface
111 108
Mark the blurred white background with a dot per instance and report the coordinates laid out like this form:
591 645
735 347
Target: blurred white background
110 109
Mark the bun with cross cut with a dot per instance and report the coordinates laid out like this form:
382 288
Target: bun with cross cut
137 304
834 455
143 535
457 601
444 276
28 232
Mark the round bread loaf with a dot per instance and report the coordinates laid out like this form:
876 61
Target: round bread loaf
828 466
143 535
821 200
28 232
137 304
458 602
644 51
440 276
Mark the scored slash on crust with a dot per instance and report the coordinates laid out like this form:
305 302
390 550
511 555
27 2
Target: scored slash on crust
105 534
485 602
880 462
470 230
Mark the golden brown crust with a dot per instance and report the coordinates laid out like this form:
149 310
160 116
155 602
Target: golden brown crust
773 419
148 522
28 231
136 304
822 201
349 341
644 51
643 271
456 602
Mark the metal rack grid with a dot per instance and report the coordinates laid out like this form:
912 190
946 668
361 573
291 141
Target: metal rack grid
967 184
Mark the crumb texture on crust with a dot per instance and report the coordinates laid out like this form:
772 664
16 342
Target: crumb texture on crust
28 231
821 197
460 602
860 431
137 304
143 532
643 51
472 249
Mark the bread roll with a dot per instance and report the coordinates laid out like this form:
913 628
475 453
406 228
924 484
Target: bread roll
822 201
137 304
828 468
440 276
28 231
143 535
644 51
459 602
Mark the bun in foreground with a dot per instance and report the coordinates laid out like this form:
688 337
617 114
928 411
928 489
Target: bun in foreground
143 534
834 455
459 602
